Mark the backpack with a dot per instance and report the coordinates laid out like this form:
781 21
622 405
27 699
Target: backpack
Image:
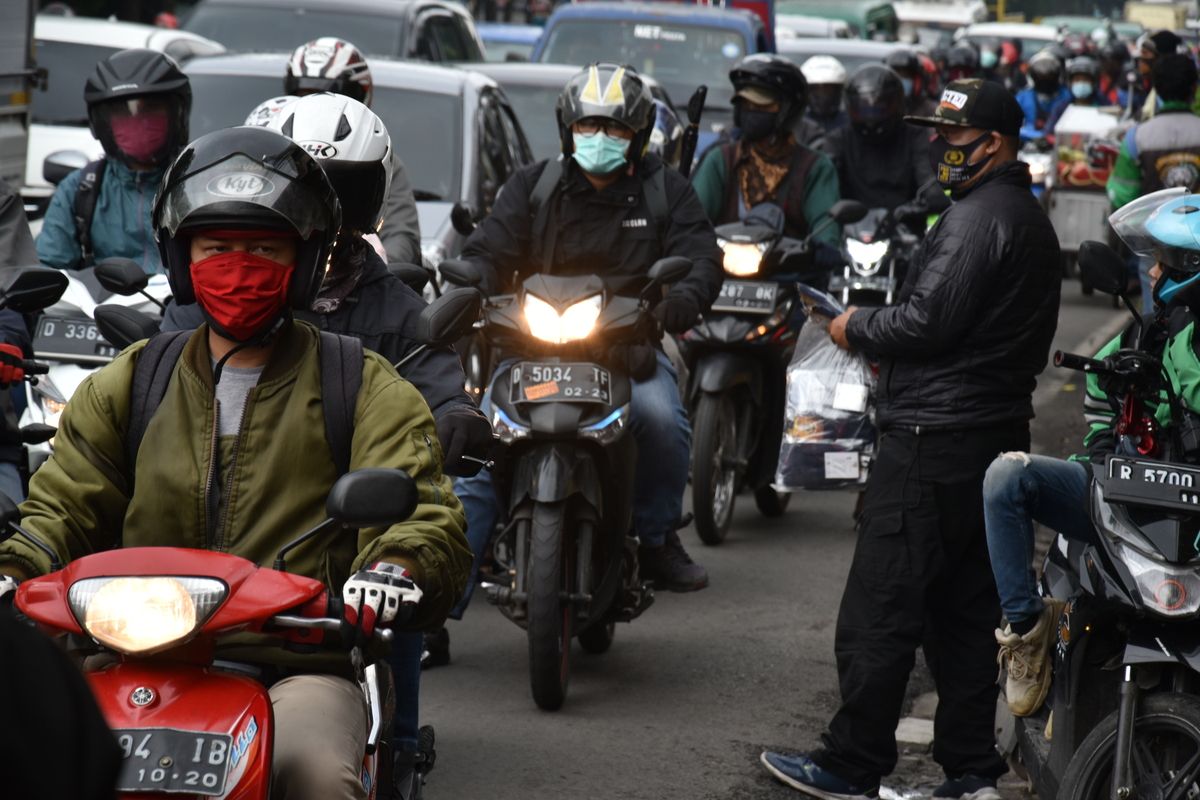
83 207
341 378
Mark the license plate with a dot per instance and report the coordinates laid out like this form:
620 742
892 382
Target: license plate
747 297
532 382
1153 483
169 760
72 339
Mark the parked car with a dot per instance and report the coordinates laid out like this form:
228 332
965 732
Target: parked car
868 19
507 42
68 49
426 30
454 129
853 53
1032 36
798 26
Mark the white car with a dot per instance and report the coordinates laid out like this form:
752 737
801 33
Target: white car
1032 36
68 48
798 26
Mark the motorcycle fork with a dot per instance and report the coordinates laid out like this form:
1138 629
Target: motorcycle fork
1126 714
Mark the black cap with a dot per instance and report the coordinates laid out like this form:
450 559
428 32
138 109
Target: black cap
976 103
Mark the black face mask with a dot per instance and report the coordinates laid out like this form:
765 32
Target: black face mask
757 125
950 161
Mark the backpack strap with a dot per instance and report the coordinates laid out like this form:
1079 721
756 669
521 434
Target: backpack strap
654 188
539 210
155 365
341 378
83 208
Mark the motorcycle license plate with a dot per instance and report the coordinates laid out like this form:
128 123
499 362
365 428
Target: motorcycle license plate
548 383
71 339
747 297
1153 483
169 760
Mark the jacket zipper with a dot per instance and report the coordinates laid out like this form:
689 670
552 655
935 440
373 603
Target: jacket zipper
227 484
437 491
211 503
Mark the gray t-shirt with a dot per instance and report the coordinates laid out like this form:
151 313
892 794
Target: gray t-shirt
232 391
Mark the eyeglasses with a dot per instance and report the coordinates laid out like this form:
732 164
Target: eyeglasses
593 125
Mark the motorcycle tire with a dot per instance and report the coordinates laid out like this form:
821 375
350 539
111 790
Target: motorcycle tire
597 639
550 616
1166 724
714 482
770 502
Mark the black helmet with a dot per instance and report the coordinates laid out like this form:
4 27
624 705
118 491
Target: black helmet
1115 50
1083 65
121 86
875 100
247 178
609 91
962 62
1045 72
903 62
777 76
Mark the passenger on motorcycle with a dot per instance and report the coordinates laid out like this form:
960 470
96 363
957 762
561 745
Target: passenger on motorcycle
962 62
138 104
826 79
334 65
1083 77
1113 87
236 458
1044 93
1021 488
908 69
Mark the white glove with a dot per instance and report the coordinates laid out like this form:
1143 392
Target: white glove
378 595
8 585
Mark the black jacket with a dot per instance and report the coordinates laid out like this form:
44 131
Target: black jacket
610 233
972 325
884 172
382 311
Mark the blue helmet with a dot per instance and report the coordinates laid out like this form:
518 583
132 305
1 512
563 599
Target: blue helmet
1175 228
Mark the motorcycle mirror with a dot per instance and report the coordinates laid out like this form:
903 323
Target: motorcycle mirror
368 498
1102 268
37 433
449 318
462 218
845 212
934 198
669 270
460 272
121 276
123 326
10 517
30 289
414 276
61 163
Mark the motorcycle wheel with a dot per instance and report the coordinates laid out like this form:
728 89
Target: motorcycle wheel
714 480
597 639
1166 740
551 615
770 502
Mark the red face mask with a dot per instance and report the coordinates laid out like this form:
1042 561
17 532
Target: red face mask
141 137
241 293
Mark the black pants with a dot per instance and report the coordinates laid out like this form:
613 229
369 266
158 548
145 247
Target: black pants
920 576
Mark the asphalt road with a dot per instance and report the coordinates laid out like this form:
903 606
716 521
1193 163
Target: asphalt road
692 691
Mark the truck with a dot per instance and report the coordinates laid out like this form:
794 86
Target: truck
18 75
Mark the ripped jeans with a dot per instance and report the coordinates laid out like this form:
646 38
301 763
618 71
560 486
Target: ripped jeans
1018 490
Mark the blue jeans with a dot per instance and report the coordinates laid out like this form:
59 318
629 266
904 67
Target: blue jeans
405 661
659 424
1018 490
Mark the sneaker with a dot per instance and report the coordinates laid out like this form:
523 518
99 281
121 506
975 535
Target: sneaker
670 567
409 769
1026 660
802 773
968 787
436 652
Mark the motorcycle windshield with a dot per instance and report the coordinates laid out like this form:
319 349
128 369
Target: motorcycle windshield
1129 221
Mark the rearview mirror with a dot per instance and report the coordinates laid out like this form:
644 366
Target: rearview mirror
121 276
460 272
368 498
1101 268
37 433
413 275
61 163
30 289
934 198
462 218
123 326
845 212
669 270
10 517
449 318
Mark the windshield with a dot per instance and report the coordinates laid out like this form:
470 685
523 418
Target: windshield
426 129
247 29
849 61
534 108
67 65
680 57
508 51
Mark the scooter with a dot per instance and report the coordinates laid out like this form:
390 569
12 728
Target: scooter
1122 719
186 723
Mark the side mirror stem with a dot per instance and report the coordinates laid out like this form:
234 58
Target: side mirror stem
152 299
416 351
280 565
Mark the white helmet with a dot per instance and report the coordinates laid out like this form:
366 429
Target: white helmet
824 69
329 64
267 110
353 146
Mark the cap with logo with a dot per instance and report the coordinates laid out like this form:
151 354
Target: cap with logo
975 103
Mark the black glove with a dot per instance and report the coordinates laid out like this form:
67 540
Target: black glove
464 431
677 313
636 360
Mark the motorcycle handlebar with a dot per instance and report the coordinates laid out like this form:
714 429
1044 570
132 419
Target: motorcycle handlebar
1080 363
325 624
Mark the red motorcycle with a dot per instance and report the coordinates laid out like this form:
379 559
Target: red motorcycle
187 724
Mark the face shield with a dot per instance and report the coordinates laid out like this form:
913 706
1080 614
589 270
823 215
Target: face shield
141 129
825 99
1129 221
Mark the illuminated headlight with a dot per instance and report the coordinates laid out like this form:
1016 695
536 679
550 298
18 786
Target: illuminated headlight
50 400
574 324
433 251
141 615
742 260
867 254
505 429
1165 589
1039 166
608 429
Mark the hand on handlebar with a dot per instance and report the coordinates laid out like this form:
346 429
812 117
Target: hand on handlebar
379 595
12 361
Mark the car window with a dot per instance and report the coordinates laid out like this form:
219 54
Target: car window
518 147
247 28
534 107
508 51
442 35
469 42
67 65
851 61
495 159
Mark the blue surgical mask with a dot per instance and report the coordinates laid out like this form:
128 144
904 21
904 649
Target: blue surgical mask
1082 90
907 83
988 59
599 153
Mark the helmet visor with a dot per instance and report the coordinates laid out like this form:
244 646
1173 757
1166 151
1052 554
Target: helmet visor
825 99
1129 221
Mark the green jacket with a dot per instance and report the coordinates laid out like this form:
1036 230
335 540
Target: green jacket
276 473
1125 181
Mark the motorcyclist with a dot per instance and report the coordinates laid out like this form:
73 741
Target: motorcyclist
768 164
962 62
1083 78
1044 93
1150 48
881 162
360 297
1021 488
138 103
826 79
16 250
1114 60
232 457
334 65
912 77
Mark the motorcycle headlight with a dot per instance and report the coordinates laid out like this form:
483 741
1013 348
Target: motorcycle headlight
505 429
608 429
740 259
1165 588
142 615
574 324
868 254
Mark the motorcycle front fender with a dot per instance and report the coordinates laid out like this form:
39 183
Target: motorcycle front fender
719 371
551 472
1161 644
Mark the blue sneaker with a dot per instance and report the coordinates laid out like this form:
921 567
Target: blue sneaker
802 773
968 787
